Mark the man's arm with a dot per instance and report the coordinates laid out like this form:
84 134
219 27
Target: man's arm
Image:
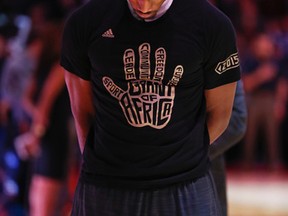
236 128
80 93
219 102
28 144
53 86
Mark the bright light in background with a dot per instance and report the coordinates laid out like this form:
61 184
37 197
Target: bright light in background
10 187
11 160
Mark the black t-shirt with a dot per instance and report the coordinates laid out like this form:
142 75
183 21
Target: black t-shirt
148 83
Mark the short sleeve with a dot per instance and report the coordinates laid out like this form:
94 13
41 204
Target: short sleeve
222 64
74 51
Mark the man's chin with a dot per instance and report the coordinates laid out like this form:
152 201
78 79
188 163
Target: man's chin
146 16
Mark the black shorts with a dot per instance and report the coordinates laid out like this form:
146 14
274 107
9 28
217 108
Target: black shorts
194 198
53 159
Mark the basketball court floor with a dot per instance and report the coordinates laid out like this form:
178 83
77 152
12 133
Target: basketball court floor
257 193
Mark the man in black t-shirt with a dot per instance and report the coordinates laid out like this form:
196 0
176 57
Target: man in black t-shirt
151 85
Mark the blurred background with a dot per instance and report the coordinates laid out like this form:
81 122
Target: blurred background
30 35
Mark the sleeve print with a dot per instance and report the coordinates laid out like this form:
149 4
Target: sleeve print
222 64
231 62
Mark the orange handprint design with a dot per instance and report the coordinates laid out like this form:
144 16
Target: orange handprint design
147 101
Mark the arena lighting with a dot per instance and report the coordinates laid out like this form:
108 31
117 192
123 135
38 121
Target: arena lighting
10 187
11 160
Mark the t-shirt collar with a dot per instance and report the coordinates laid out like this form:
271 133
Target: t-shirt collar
162 10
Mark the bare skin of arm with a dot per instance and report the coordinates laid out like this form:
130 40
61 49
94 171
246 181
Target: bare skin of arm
80 94
28 143
219 103
51 89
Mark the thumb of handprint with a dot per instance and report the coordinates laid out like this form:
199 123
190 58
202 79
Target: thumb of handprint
146 101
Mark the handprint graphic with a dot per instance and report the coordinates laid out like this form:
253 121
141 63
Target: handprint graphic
147 101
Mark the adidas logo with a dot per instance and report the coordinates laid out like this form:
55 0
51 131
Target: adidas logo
108 34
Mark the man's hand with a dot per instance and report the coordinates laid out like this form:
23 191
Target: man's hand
27 145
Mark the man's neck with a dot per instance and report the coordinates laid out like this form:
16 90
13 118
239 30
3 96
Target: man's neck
164 7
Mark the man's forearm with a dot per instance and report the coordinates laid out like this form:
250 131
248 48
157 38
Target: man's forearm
82 126
80 94
236 128
216 124
219 102
232 135
51 89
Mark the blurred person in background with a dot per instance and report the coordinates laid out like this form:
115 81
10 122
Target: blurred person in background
14 77
13 121
265 87
283 45
46 102
250 22
21 58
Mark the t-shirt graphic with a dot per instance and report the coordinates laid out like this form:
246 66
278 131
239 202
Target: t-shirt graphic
147 101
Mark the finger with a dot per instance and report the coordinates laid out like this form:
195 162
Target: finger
160 60
178 72
144 64
112 88
129 64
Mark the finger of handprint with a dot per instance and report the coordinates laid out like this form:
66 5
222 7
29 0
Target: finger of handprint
178 72
112 88
160 60
129 64
144 64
